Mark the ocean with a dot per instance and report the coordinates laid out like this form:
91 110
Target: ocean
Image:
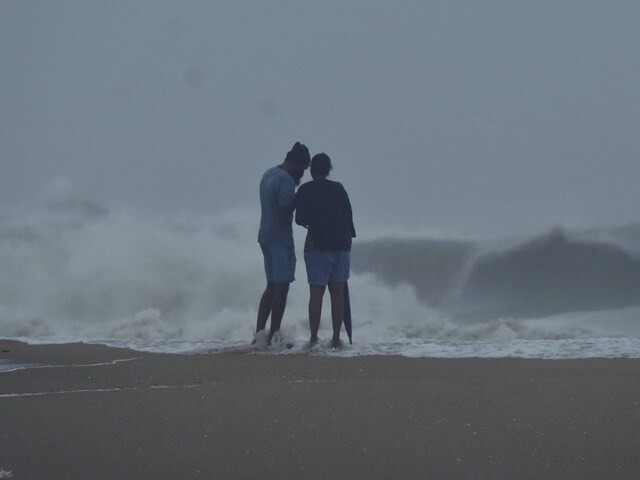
72 270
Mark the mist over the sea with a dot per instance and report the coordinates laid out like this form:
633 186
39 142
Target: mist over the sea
470 118
489 149
77 270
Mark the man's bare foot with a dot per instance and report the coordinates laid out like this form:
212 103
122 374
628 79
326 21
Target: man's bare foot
336 343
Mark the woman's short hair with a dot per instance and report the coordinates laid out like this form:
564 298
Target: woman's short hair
320 165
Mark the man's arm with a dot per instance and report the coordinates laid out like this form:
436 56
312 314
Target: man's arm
285 199
284 213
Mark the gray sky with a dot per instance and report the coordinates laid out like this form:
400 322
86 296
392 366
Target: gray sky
463 117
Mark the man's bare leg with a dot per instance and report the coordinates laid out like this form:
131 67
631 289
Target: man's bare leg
278 304
264 310
337 311
316 293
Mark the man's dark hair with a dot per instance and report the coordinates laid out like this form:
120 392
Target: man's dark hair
299 155
320 165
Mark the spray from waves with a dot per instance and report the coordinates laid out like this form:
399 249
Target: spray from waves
115 276
74 270
119 277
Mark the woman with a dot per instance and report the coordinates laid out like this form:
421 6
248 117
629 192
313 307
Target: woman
323 207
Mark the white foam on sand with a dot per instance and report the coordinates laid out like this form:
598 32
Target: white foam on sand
518 348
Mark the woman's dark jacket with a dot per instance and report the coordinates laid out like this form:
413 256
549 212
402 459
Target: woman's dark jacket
323 207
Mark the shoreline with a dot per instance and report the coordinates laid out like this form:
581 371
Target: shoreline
91 411
542 349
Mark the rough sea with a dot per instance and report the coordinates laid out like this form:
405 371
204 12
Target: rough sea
72 270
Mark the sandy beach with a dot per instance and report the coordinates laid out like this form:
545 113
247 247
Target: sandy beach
92 412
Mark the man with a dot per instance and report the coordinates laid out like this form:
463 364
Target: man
277 191
323 207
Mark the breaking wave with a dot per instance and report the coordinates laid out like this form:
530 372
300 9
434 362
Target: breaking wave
553 274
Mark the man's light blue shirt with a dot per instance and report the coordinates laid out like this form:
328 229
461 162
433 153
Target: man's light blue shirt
277 188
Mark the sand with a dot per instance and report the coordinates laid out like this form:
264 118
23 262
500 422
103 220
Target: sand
93 412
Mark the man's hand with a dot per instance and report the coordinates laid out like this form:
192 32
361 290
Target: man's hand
284 213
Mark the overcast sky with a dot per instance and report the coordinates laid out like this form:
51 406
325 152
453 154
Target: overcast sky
462 117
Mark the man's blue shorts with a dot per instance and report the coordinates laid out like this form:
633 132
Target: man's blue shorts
279 263
327 267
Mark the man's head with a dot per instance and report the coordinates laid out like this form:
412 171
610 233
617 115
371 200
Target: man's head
320 166
297 161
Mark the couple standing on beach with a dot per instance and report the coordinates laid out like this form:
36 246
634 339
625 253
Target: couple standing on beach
322 206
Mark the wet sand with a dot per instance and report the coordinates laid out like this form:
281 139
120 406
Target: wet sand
92 412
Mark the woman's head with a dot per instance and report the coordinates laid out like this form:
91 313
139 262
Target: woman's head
320 165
